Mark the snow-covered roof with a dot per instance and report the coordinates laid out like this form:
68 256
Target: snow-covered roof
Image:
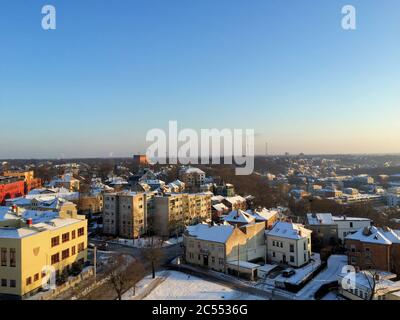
217 198
288 230
345 218
243 264
193 170
263 214
319 218
206 232
239 216
235 199
220 207
385 236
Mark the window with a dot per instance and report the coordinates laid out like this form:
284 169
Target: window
13 283
213 259
55 258
81 232
4 282
28 281
273 254
351 224
281 244
65 254
221 261
81 247
65 237
3 257
12 257
73 234
305 257
36 277
291 258
273 243
304 246
73 250
292 248
55 241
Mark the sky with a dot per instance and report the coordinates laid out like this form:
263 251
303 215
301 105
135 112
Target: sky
112 70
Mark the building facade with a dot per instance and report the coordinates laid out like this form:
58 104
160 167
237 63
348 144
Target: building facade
289 243
33 247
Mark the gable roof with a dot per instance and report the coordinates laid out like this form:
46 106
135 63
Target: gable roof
239 216
219 233
384 236
288 230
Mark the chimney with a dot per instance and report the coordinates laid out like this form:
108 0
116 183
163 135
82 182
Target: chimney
29 222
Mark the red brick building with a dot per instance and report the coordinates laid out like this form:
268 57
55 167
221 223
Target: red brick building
374 248
11 187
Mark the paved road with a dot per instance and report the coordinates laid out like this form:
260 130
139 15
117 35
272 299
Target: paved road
106 292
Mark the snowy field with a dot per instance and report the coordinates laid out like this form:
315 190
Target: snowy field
173 285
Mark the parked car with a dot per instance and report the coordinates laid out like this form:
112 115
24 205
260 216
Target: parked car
288 273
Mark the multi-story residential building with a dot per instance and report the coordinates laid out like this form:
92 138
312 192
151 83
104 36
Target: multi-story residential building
125 214
224 247
193 178
32 243
374 248
289 243
11 187
173 212
328 228
29 178
235 203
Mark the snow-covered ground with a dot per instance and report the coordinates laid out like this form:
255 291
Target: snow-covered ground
146 242
329 274
173 285
302 273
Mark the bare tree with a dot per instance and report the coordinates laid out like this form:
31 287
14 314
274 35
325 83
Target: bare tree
124 275
154 254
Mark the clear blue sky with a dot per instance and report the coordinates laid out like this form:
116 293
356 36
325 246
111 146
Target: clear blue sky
114 69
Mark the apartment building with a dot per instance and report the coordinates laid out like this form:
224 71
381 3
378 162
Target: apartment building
125 214
29 179
171 213
235 203
34 242
193 178
289 243
11 187
374 248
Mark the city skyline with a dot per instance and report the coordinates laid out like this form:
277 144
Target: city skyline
110 72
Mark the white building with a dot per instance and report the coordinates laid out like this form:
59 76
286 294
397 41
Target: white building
335 226
349 225
289 243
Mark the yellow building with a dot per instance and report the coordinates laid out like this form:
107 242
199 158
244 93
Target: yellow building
175 211
26 175
32 243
